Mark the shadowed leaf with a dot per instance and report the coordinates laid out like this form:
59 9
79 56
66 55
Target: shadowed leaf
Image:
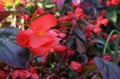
10 52
80 46
108 69
4 14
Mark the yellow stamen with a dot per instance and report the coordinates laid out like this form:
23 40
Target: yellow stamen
40 33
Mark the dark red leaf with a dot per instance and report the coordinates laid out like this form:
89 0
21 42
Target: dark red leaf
80 46
4 14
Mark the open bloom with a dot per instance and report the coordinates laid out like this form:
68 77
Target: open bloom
39 33
40 39
44 49
40 28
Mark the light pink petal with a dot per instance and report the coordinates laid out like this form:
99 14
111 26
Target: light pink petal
76 2
60 3
2 9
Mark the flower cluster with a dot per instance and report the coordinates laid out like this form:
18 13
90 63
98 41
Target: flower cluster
60 39
112 2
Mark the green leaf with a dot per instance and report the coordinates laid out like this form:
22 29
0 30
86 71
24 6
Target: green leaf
88 68
118 9
112 16
50 5
8 4
30 8
17 2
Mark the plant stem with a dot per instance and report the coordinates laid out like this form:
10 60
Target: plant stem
117 44
106 44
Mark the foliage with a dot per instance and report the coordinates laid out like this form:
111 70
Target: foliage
59 39
11 53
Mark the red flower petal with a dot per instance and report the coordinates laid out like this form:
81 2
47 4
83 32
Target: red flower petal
107 57
3 75
44 22
40 51
76 66
60 48
37 41
23 38
15 74
79 12
70 52
34 76
22 74
2 9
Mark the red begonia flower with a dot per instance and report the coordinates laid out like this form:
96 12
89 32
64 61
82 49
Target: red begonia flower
23 38
91 62
40 28
22 74
34 75
100 20
59 48
44 23
3 75
40 39
39 11
76 66
70 52
45 48
37 41
107 57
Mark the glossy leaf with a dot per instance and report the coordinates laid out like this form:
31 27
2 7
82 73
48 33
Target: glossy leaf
8 4
70 42
10 52
4 14
83 58
80 34
99 43
112 16
80 46
109 70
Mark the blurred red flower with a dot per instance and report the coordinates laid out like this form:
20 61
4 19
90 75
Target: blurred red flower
107 57
76 66
3 75
22 74
70 52
91 62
